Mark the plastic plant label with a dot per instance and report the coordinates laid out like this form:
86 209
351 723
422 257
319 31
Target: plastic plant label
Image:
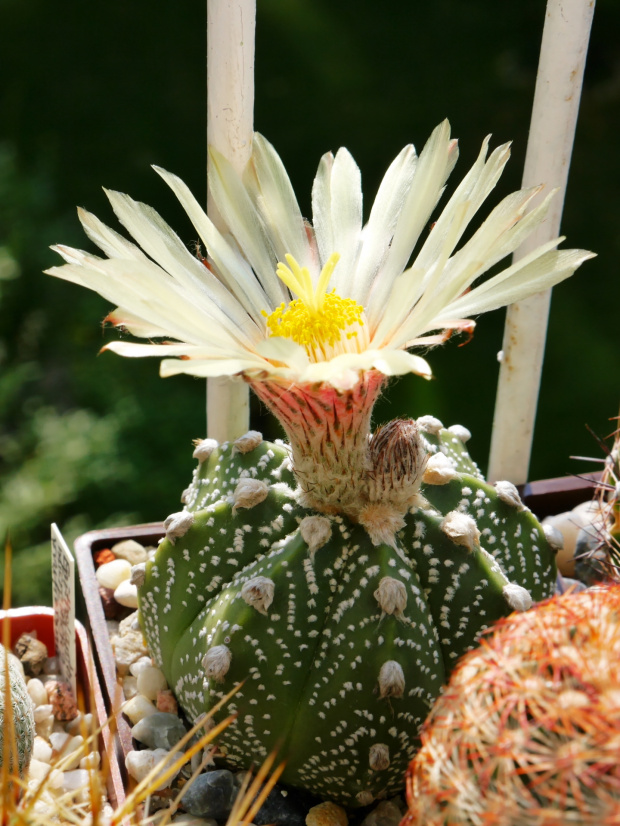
63 591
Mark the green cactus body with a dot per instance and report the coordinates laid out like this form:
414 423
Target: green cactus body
22 712
343 643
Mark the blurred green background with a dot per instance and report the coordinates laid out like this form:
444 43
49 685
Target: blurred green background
91 94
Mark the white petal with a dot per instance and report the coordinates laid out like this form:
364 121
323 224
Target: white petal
113 244
346 219
277 204
322 207
211 368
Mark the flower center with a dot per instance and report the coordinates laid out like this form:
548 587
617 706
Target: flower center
318 320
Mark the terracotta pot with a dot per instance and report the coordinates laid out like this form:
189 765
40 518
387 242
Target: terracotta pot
41 620
543 498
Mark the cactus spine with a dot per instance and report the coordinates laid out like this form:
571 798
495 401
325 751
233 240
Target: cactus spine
21 711
341 586
526 733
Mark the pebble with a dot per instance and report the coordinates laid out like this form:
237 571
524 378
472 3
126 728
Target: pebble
387 813
37 692
211 795
76 783
43 712
103 556
130 686
127 648
191 820
159 730
42 750
138 708
151 681
111 574
82 723
140 763
167 702
61 697
38 770
280 810
131 551
32 654
327 814
126 594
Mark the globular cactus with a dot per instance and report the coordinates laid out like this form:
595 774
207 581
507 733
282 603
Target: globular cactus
22 715
343 626
527 732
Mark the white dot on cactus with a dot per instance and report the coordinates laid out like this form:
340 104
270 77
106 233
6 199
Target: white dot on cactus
439 470
248 493
391 680
177 525
247 442
258 593
216 662
517 597
461 529
429 424
391 596
508 493
203 449
316 531
461 433
379 757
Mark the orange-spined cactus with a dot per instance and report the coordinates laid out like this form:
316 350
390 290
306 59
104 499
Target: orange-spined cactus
527 732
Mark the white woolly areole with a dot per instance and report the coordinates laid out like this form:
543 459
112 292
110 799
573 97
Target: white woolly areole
378 757
391 595
517 597
315 531
138 574
381 522
554 536
178 524
391 679
247 442
429 424
248 493
258 593
204 448
461 433
461 529
216 662
508 493
439 470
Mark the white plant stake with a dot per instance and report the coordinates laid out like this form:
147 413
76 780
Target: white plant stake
230 107
554 116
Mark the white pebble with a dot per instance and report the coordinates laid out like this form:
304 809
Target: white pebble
91 761
138 707
111 574
140 763
42 712
37 692
39 771
126 594
139 665
151 680
82 723
130 686
130 550
77 784
41 750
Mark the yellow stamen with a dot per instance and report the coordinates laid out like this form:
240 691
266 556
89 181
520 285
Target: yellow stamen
316 319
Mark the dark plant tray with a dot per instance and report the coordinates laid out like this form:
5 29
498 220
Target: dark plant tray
41 619
85 547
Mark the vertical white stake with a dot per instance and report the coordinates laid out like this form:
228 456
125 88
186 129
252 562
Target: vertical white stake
554 116
230 107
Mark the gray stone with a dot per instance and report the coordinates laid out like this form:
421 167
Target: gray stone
160 730
211 795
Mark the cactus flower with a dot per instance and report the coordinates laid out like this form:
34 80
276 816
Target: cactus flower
283 299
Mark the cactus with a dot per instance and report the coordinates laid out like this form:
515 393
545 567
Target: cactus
597 550
22 713
344 624
526 733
